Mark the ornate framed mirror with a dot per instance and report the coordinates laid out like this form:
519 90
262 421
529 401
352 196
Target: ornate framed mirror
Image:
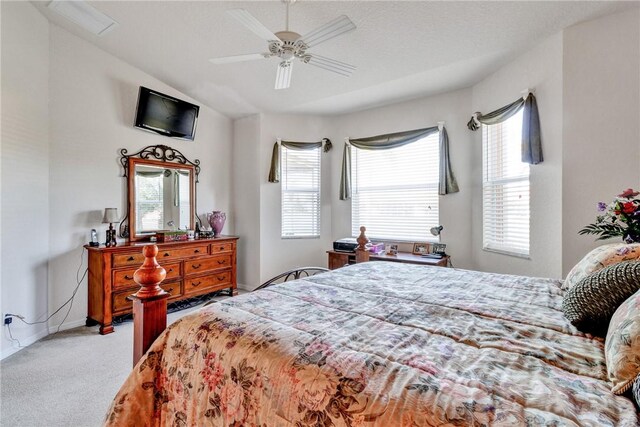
161 191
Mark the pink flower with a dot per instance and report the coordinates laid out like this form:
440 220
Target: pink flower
419 362
232 398
628 193
213 372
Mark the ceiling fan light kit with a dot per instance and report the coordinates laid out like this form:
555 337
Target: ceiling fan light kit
288 45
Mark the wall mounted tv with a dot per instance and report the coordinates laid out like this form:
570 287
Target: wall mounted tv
166 115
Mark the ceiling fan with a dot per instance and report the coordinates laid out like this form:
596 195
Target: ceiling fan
288 45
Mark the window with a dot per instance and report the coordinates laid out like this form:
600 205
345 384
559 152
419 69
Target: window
505 189
149 201
300 193
395 191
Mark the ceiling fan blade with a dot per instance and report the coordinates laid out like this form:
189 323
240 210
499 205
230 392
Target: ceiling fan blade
239 58
329 64
331 29
283 77
249 21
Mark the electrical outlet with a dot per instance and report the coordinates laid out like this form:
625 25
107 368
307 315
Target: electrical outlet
8 319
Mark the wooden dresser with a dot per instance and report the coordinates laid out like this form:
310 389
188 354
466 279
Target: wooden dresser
194 267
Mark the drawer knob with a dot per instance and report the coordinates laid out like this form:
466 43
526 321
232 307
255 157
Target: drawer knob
194 284
170 290
170 270
196 266
221 278
130 258
166 254
222 248
127 277
221 261
197 251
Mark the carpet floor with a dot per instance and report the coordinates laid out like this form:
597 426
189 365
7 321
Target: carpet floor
68 378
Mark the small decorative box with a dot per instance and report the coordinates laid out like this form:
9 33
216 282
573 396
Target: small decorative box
171 236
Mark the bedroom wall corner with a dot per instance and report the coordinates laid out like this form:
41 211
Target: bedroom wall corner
246 198
601 130
93 100
24 148
541 69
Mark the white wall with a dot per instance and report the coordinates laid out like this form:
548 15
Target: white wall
539 69
601 122
277 254
93 100
246 198
25 170
453 108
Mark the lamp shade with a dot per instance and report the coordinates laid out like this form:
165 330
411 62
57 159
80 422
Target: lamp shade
110 215
436 230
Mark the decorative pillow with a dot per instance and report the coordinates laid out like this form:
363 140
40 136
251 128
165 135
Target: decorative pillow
622 345
599 258
590 304
635 390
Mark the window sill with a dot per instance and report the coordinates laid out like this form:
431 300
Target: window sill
298 237
507 253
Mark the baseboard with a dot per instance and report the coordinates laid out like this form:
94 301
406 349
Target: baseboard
67 325
25 342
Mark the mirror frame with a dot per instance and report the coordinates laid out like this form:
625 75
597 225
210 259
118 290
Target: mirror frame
161 156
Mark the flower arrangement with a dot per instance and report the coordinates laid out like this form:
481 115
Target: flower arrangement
619 218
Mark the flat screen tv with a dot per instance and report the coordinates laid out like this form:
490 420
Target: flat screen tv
166 115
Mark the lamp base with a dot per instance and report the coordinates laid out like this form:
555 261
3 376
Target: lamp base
111 236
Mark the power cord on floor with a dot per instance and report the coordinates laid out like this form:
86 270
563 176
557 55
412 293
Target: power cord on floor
69 301
11 336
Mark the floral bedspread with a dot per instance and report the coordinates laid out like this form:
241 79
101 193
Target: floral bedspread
382 344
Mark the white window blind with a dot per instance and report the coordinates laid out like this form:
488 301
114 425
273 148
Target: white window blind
300 183
149 202
395 191
505 189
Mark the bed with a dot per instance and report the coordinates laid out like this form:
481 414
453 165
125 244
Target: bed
377 343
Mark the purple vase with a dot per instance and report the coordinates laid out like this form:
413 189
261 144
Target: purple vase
216 220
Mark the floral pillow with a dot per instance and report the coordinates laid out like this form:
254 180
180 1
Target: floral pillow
622 345
599 258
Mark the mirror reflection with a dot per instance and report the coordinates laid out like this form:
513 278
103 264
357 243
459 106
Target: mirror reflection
162 198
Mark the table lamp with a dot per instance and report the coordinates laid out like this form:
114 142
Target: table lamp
436 231
110 216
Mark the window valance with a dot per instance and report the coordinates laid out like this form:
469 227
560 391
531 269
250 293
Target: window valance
448 182
274 171
531 143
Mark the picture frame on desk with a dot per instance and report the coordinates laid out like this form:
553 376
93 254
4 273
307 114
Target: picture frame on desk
421 248
391 249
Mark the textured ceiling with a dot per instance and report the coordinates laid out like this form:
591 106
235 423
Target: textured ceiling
402 49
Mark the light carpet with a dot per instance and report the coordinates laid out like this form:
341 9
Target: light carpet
69 378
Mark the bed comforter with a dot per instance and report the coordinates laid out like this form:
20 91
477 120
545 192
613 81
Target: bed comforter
378 343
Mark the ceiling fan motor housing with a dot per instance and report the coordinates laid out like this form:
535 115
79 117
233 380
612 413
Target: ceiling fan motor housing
288 47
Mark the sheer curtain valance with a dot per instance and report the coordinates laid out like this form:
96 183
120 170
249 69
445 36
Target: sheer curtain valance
274 171
531 143
448 182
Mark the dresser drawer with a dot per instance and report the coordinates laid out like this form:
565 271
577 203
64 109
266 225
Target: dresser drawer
124 278
166 254
200 265
221 247
121 303
209 283
121 260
